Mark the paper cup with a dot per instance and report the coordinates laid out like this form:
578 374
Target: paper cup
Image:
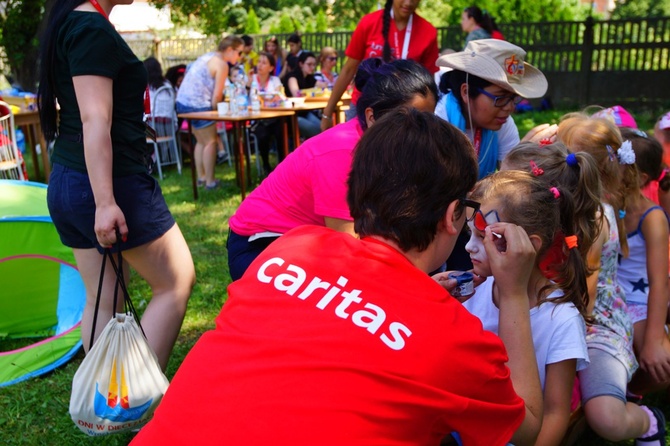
222 108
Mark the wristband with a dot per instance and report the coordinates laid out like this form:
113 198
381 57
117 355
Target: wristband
326 117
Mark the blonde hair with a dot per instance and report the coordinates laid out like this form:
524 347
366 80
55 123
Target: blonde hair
601 138
231 41
325 52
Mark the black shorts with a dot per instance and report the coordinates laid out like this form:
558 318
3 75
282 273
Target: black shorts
72 208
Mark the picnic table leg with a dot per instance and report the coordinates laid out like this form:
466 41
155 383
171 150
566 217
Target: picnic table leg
296 132
239 135
284 127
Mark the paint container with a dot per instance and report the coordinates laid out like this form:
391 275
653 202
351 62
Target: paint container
465 284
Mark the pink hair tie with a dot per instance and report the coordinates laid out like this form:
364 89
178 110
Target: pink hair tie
664 172
537 171
555 191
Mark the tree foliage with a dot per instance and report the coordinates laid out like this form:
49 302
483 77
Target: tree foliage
252 25
523 10
641 8
20 26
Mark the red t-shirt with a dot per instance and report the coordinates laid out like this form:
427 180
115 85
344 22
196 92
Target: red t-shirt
367 41
332 340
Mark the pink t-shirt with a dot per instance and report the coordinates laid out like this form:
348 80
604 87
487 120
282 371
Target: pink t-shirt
309 185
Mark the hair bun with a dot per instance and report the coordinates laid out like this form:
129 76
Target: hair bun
365 71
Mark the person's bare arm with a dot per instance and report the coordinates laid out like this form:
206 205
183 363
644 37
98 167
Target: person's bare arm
511 269
94 98
341 83
219 71
293 87
560 378
654 354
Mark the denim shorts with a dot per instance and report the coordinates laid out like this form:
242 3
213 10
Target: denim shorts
72 208
605 376
196 124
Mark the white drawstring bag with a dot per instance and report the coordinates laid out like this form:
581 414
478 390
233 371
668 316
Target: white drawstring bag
119 383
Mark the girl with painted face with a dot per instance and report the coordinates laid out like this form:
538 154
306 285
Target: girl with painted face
484 85
515 200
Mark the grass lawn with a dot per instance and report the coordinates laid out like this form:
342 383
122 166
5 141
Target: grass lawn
35 412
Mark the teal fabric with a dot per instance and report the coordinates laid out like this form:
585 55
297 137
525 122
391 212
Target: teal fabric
488 155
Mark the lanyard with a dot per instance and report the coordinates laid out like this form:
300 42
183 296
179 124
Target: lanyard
477 140
97 6
262 88
408 37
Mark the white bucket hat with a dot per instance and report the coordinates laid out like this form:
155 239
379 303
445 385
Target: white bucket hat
500 63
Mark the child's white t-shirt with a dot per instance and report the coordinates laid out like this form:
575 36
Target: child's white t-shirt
559 332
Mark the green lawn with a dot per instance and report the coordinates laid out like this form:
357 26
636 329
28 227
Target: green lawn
35 412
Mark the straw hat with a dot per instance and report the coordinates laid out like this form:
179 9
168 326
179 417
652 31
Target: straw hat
500 63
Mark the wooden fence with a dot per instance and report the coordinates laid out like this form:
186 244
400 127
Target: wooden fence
623 62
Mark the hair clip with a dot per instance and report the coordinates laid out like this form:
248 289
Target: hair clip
625 153
545 142
537 171
555 191
610 152
622 214
664 172
571 159
571 241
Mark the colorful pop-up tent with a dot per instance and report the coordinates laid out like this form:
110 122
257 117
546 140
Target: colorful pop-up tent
42 295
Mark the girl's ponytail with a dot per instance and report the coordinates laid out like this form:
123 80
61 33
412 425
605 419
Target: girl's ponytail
571 274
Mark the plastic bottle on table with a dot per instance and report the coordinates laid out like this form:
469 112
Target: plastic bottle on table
254 98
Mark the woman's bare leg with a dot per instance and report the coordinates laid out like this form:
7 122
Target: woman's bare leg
167 266
89 262
205 152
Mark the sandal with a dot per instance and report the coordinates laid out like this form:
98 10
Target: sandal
658 439
201 183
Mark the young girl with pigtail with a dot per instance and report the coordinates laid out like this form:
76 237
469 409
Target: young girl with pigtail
609 336
643 275
519 198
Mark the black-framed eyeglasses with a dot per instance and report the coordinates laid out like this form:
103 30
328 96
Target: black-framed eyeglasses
471 208
501 101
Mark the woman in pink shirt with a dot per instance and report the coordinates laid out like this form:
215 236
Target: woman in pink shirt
309 186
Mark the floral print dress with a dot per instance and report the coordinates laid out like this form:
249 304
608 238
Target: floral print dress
612 329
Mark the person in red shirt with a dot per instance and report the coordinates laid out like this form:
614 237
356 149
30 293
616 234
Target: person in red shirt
331 339
396 32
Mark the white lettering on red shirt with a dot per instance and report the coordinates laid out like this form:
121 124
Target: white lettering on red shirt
291 278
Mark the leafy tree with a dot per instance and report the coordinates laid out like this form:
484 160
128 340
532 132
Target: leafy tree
20 27
321 22
252 25
347 13
641 8
211 16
